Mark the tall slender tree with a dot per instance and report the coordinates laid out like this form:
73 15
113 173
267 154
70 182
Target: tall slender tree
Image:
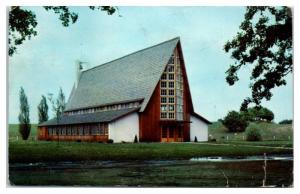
24 120
58 106
43 110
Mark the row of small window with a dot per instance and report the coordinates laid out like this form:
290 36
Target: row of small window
77 131
167 115
164 92
167 100
171 107
166 107
163 84
167 76
170 68
105 108
171 115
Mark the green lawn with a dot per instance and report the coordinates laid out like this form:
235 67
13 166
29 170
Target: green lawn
38 151
14 132
268 131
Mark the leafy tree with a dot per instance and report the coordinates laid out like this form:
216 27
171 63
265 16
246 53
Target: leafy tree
43 110
24 120
265 43
235 122
22 22
286 121
58 105
265 114
258 113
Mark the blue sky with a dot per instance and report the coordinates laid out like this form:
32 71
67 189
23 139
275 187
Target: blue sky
47 61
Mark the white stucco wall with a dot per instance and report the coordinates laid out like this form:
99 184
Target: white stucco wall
124 129
199 129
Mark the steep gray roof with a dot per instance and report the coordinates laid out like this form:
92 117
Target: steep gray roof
133 76
98 117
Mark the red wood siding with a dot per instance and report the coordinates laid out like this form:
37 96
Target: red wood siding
149 120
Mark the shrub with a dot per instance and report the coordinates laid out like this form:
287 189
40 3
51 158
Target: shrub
135 139
195 140
235 122
253 134
110 141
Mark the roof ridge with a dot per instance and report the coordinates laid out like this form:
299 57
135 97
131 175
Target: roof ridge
106 63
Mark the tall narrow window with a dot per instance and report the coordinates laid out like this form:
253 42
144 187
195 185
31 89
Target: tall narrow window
171 90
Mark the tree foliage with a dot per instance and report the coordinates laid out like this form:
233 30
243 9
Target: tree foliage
258 113
58 104
24 120
22 22
265 43
235 122
286 121
43 110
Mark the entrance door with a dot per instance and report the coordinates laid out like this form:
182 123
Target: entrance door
171 134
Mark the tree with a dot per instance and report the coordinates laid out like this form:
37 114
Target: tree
264 42
43 110
265 114
258 113
22 23
235 122
58 104
286 121
24 120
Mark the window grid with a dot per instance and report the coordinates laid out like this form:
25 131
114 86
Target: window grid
172 90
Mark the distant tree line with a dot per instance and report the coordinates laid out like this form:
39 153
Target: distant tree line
286 121
58 106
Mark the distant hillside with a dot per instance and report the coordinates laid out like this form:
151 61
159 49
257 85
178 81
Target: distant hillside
14 131
268 131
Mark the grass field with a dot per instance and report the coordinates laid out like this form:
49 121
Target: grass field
14 132
269 131
49 163
43 151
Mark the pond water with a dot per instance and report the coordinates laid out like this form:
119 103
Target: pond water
196 172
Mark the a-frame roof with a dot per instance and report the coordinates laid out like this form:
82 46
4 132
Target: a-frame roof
132 77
